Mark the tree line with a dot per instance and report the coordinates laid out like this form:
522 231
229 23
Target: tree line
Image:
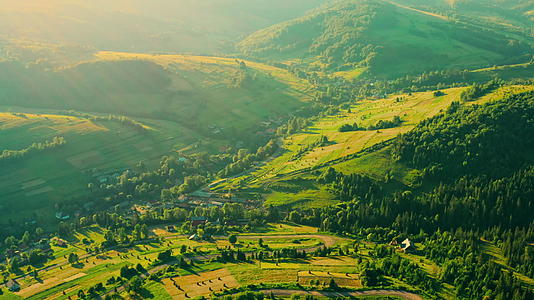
11 155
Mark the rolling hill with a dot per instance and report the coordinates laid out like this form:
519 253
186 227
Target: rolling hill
190 90
33 185
386 39
170 103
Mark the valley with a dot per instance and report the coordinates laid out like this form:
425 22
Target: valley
304 149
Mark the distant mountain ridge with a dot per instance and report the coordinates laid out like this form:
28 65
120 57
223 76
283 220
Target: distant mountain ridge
387 39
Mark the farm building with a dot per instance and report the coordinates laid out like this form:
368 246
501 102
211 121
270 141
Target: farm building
197 221
407 246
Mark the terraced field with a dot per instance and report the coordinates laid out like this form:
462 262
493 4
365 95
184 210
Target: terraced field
92 147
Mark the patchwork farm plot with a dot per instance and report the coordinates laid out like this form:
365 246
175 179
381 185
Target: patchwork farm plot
199 284
60 279
410 108
286 177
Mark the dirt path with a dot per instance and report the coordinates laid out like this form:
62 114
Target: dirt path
395 293
419 10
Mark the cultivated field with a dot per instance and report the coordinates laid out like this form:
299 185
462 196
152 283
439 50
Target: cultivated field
58 279
202 284
324 278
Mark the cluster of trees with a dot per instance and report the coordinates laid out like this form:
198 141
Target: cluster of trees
493 138
385 124
10 155
244 160
126 121
231 255
479 90
352 186
28 254
386 262
381 124
174 176
125 234
350 127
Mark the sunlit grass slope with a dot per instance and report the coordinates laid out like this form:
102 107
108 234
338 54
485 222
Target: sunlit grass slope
289 178
195 91
206 84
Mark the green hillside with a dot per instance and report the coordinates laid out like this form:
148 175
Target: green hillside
190 90
171 103
386 39
254 149
286 179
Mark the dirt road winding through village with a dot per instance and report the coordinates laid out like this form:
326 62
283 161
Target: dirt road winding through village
393 293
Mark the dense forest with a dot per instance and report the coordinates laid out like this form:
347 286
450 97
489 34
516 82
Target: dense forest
490 191
492 139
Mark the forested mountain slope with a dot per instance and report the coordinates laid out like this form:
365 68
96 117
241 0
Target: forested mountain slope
387 39
490 198
492 139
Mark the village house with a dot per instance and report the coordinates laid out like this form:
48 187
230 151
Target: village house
407 246
61 243
197 221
